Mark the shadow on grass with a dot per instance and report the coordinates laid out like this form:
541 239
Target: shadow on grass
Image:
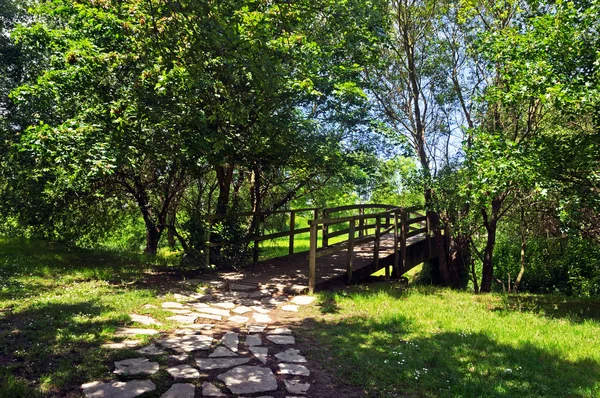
571 308
56 344
372 354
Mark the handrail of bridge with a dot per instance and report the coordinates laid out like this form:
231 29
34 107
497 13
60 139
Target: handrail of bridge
402 227
257 237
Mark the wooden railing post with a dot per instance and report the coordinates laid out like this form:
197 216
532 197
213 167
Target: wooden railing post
403 232
428 227
396 270
292 228
387 217
350 252
312 257
376 244
255 249
361 223
207 244
325 237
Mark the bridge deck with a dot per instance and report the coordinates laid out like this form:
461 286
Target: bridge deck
290 273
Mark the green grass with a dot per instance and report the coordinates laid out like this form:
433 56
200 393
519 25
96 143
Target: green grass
57 306
429 342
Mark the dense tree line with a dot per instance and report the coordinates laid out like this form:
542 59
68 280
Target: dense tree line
165 111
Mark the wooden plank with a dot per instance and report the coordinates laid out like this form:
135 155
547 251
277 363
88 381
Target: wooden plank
376 245
396 253
403 231
415 233
361 223
312 259
338 247
416 220
339 233
325 236
292 234
350 252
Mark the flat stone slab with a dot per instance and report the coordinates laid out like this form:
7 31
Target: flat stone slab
148 306
122 332
260 309
181 297
242 309
191 318
151 350
262 318
275 300
296 387
222 352
259 294
179 312
122 345
228 305
214 311
135 366
239 287
198 326
249 380
172 305
303 300
280 331
187 343
144 319
179 357
117 389
202 296
238 319
231 340
210 390
199 305
293 369
180 390
209 316
291 355
220 363
183 372
281 339
290 308
260 353
256 328
253 340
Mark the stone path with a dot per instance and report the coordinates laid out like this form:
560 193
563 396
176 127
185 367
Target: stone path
227 345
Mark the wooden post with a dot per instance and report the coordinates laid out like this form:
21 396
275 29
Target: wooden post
350 252
403 232
361 223
207 244
256 243
396 253
312 257
376 244
429 243
387 217
325 237
292 229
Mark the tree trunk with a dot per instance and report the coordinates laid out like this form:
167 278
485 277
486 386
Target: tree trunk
256 199
152 238
523 250
224 178
491 224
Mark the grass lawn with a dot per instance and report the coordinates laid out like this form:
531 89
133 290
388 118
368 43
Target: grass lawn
57 306
427 342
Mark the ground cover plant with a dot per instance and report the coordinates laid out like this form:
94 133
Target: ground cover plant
431 342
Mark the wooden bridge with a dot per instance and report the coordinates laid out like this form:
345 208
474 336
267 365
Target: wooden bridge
367 238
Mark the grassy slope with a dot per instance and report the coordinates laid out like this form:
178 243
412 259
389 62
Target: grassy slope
431 342
57 306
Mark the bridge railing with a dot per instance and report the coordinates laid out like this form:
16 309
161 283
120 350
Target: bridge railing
404 223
